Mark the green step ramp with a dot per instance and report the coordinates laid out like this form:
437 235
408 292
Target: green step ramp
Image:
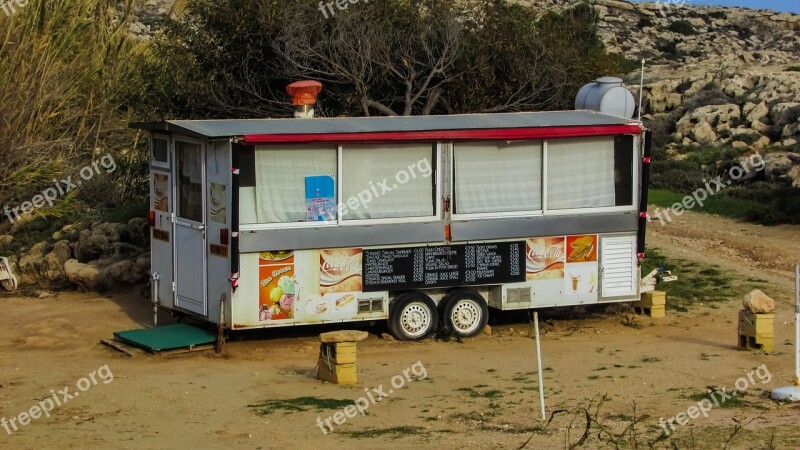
168 337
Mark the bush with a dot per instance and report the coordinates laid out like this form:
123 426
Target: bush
670 49
683 27
785 208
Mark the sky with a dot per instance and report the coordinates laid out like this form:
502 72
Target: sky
777 5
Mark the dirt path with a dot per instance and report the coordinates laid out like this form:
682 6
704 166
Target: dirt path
478 394
769 252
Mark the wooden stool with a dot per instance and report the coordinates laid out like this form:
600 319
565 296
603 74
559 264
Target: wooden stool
337 356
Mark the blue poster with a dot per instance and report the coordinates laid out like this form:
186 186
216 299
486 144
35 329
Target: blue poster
320 198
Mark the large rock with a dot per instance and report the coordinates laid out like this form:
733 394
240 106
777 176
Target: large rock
794 175
783 114
112 240
343 336
777 165
758 302
107 274
758 112
704 134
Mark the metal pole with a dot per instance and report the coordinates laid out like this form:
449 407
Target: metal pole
539 363
155 277
797 324
641 91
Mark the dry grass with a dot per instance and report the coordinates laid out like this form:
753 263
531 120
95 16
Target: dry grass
64 62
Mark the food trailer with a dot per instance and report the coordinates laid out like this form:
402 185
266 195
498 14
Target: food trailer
421 221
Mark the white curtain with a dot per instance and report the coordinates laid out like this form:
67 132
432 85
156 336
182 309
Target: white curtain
281 173
580 173
405 169
498 177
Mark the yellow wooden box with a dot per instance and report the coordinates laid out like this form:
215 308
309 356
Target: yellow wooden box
336 373
338 352
650 299
756 325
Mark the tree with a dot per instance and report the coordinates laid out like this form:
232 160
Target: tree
232 58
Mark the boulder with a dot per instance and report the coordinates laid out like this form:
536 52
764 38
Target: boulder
783 114
758 112
88 277
343 336
106 274
758 302
777 165
794 175
704 134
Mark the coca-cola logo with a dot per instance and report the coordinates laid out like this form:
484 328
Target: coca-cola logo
341 264
555 251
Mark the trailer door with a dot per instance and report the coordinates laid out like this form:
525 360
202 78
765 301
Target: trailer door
190 227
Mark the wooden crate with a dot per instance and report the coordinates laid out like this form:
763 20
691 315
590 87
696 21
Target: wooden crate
652 304
756 324
656 312
336 373
338 352
654 298
756 331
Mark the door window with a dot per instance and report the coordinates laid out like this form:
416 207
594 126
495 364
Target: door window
190 181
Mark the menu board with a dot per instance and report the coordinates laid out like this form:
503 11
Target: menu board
443 266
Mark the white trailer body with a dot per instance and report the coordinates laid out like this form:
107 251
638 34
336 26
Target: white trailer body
270 223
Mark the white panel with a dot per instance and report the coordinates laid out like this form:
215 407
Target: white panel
618 259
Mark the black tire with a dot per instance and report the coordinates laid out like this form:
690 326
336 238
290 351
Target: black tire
464 313
413 317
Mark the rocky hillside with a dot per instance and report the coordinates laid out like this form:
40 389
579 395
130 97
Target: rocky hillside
715 77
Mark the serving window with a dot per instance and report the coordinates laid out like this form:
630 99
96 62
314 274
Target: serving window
497 177
580 173
385 181
329 184
288 184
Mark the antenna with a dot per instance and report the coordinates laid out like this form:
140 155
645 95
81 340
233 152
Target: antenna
641 91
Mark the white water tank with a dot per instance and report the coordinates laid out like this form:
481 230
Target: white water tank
607 95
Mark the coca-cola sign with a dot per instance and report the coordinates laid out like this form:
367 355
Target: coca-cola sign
545 258
340 270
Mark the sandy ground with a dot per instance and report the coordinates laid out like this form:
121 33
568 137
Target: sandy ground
481 393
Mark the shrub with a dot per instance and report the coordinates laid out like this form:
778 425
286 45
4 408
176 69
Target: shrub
683 27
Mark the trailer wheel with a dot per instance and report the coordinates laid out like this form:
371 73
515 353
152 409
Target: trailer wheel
413 317
464 312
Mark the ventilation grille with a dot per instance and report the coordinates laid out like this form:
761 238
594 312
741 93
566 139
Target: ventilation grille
619 266
370 305
518 296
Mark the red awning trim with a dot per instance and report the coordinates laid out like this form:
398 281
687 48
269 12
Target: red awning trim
447 135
